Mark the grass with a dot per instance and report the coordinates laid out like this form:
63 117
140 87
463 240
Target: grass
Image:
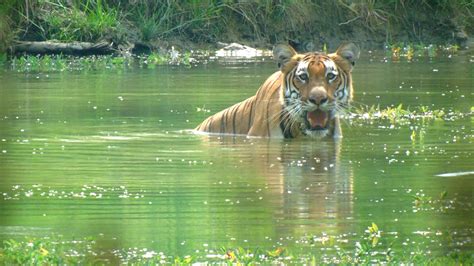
89 21
260 22
159 19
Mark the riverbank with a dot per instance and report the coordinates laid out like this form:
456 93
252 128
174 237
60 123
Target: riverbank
145 26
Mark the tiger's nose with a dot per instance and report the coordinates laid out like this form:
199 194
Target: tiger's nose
318 95
318 101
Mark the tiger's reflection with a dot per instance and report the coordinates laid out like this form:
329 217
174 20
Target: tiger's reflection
305 182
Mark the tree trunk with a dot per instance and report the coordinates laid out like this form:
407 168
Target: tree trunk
73 48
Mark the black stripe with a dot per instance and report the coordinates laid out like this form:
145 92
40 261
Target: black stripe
209 123
233 119
344 86
287 83
284 130
250 117
268 122
223 120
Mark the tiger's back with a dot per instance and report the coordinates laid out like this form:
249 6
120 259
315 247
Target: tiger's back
253 116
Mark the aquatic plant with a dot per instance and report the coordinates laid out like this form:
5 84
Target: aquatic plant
411 51
59 63
439 203
398 114
47 251
372 246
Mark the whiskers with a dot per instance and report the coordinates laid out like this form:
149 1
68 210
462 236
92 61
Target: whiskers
289 116
340 109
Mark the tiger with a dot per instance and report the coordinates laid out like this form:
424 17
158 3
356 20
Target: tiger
304 98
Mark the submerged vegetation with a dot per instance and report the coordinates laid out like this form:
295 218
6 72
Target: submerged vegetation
161 23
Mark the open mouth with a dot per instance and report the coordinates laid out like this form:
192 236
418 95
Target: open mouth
317 120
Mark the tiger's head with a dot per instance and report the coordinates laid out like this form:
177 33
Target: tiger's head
316 87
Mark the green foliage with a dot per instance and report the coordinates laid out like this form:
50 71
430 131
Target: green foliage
23 252
60 63
157 59
397 113
158 19
255 21
88 21
45 252
371 247
171 57
7 33
411 50
3 59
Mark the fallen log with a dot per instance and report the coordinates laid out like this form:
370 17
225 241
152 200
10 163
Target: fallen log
72 48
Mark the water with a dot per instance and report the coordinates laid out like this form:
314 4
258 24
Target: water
106 154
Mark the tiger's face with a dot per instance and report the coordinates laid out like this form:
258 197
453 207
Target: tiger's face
316 87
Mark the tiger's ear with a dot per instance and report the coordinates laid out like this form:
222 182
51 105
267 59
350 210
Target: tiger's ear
283 54
349 51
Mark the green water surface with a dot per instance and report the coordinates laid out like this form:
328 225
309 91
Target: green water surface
106 154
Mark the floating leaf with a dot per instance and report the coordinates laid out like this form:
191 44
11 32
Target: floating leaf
374 228
277 252
43 251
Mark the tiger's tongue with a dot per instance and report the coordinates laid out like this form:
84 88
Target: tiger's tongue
317 119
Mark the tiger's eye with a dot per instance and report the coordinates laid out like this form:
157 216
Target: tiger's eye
331 76
303 76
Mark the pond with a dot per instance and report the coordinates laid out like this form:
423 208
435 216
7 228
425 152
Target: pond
106 155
